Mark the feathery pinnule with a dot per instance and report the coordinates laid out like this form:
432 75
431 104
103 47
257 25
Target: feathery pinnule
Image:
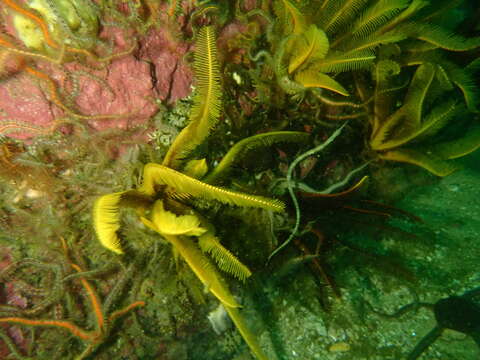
106 220
156 174
207 102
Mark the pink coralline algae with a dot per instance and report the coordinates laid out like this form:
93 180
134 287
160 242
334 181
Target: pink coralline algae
24 107
172 75
128 87
129 92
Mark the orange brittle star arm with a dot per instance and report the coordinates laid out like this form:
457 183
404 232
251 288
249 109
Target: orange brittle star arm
116 314
97 308
75 330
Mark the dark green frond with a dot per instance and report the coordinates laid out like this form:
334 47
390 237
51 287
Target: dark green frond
384 129
284 45
372 41
417 92
337 14
437 9
474 66
298 20
377 15
441 75
418 58
383 73
311 45
412 9
314 79
464 80
452 74
439 37
429 162
406 120
384 70
439 117
283 24
246 146
454 149
416 46
337 62
432 123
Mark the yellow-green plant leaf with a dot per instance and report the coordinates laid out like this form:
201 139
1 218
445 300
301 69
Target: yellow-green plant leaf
314 79
206 273
309 46
431 163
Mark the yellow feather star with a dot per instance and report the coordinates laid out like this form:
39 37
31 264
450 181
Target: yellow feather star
106 221
162 201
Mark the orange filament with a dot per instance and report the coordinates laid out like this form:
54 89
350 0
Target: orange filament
97 308
123 311
75 330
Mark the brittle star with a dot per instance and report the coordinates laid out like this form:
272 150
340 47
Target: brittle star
103 324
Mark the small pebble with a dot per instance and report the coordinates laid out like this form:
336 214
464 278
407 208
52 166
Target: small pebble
339 347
